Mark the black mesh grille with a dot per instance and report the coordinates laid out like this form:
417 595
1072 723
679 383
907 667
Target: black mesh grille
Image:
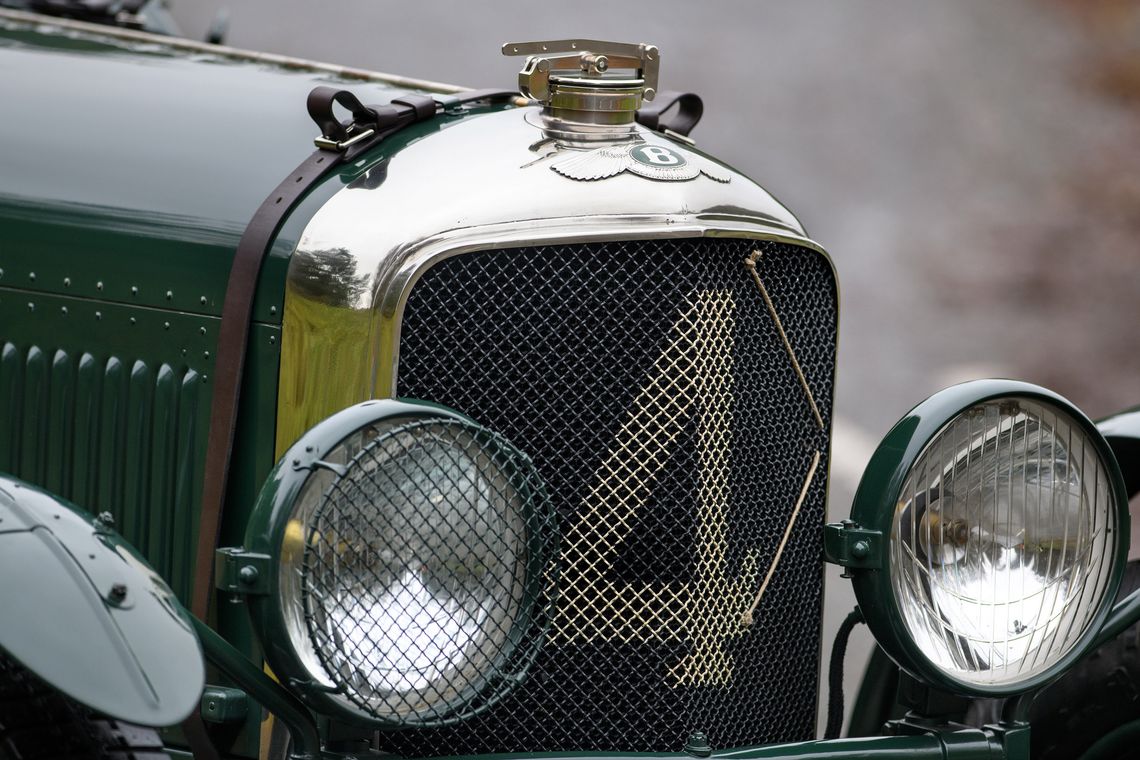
651 376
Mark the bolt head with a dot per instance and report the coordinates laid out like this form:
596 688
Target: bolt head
248 575
698 745
860 550
119 591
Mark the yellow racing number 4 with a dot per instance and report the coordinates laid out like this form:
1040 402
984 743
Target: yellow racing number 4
693 376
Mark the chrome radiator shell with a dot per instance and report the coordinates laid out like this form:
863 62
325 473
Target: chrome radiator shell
488 189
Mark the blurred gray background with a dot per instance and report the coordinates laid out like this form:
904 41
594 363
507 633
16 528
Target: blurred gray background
973 167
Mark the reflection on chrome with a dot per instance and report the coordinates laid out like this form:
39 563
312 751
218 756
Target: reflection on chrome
1001 545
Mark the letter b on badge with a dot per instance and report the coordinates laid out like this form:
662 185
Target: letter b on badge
656 155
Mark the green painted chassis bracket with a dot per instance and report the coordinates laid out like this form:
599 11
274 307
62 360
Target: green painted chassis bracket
994 743
851 546
964 744
237 571
970 744
265 691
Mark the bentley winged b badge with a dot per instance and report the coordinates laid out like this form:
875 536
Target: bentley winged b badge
644 159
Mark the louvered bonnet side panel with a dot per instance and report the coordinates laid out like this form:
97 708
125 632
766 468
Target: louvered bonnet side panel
110 412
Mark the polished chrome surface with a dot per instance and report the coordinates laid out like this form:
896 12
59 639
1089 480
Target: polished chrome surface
574 79
635 156
487 182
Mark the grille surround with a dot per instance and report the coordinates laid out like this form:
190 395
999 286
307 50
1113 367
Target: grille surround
628 298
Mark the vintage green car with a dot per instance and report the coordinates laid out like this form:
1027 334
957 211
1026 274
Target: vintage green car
501 425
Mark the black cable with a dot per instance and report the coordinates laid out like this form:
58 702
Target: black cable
835 675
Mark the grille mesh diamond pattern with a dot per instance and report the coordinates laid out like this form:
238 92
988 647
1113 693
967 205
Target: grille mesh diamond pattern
650 385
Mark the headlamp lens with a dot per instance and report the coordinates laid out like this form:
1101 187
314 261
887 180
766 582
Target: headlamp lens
1002 541
424 546
408 570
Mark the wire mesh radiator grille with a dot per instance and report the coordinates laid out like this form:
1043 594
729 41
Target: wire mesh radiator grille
675 399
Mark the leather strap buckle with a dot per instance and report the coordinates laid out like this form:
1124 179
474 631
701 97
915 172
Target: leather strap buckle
327 143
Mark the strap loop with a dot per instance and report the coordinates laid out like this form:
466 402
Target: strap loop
423 106
320 105
689 106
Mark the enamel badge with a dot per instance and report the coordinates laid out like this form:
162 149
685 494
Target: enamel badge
643 159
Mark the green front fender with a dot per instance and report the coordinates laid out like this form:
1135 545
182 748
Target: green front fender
83 611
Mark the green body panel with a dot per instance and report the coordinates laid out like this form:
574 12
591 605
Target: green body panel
107 406
114 259
199 142
84 612
874 507
109 310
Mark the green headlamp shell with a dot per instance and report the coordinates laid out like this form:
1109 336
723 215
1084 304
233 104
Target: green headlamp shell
865 550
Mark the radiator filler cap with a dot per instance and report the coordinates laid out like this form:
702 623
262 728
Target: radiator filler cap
588 81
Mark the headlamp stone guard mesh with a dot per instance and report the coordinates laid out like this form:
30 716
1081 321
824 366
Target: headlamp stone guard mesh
650 383
449 476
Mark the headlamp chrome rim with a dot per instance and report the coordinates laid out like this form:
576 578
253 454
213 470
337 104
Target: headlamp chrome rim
268 533
875 505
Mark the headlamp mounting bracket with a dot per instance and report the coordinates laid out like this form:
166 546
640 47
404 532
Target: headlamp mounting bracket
852 546
240 572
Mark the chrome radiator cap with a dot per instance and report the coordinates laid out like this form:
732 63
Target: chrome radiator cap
577 81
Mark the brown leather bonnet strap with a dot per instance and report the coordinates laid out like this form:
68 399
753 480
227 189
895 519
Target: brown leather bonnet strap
237 308
660 115
341 142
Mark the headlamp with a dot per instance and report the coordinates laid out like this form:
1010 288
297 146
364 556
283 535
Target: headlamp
1001 529
411 546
